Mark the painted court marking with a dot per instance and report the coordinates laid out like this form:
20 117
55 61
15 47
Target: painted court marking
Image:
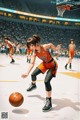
18 58
17 80
72 74
9 80
2 66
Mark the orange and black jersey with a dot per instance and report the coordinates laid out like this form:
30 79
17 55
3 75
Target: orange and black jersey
10 45
48 61
44 55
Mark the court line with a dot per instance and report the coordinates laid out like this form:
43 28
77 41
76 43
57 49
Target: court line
39 80
18 58
9 80
17 80
72 74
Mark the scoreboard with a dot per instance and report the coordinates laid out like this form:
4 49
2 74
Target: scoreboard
69 2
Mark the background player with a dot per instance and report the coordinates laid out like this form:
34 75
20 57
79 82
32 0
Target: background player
11 49
48 64
58 51
72 48
29 53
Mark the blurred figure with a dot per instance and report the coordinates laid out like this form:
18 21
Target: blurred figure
58 51
71 48
29 53
11 49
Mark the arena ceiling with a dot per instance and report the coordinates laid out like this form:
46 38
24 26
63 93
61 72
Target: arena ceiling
48 7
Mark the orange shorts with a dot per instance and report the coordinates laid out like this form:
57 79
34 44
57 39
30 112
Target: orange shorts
11 51
71 53
46 66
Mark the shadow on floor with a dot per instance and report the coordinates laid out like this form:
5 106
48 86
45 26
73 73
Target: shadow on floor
20 111
61 103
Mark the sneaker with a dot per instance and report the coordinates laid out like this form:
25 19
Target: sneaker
12 61
70 66
48 106
32 87
66 66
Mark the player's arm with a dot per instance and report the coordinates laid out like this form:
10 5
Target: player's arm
69 46
33 58
49 46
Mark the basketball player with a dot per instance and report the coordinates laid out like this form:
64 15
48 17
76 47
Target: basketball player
58 51
48 64
11 49
29 53
72 48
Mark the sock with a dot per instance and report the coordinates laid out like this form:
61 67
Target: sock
33 83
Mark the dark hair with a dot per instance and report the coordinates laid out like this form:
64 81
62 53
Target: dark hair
6 38
33 40
71 40
60 43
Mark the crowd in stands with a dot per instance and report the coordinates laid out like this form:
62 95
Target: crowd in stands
11 4
19 32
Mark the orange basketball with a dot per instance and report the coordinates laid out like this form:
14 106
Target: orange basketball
16 99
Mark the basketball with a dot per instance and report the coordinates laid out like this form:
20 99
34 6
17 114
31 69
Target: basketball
16 99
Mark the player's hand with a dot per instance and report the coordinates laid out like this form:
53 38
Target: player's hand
24 75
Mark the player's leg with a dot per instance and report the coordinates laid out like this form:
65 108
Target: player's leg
28 58
48 88
71 55
58 55
11 55
69 61
33 76
40 69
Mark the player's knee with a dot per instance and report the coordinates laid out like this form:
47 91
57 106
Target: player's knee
33 76
48 86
